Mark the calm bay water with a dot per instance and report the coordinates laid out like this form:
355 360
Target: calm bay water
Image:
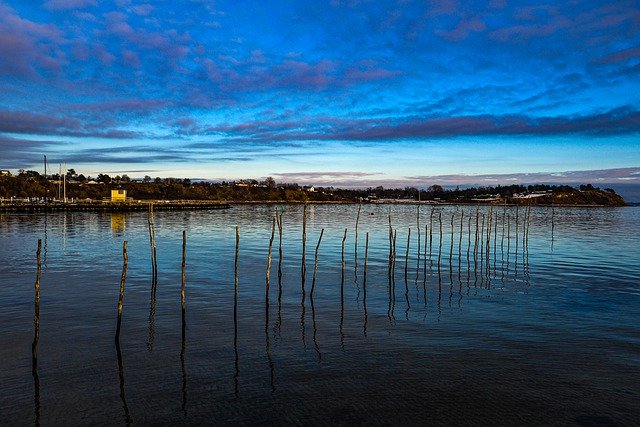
543 331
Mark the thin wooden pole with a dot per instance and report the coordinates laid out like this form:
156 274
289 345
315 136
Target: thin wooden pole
440 240
280 226
235 281
366 256
406 257
121 297
451 243
390 249
344 237
304 242
152 241
38 274
430 234
315 264
273 232
460 238
184 269
356 242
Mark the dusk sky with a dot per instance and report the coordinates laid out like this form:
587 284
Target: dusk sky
328 92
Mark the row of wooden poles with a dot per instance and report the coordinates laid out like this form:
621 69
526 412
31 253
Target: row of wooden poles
277 220
482 239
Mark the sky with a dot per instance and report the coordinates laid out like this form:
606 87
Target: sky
331 92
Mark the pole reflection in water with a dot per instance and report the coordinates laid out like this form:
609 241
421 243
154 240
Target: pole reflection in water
315 329
36 338
267 343
313 309
152 312
236 377
127 417
364 285
468 255
424 278
344 237
184 321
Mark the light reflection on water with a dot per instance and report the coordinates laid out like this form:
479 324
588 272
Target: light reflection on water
540 326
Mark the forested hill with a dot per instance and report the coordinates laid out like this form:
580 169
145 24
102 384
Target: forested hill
31 185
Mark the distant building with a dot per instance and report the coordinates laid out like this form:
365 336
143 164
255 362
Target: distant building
4 172
118 195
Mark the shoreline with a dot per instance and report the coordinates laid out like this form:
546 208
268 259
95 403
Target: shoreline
168 205
137 206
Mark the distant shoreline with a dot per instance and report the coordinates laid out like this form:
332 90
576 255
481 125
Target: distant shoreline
137 206
182 205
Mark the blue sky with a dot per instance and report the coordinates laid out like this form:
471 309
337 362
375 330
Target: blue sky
333 92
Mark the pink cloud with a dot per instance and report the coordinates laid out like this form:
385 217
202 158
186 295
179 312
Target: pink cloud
463 29
130 58
622 55
26 45
142 9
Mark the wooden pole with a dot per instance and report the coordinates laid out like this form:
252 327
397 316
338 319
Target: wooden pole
357 222
390 249
152 241
235 281
280 225
273 232
184 268
406 257
440 241
430 234
460 238
395 234
315 264
121 297
451 244
304 243
343 239
366 256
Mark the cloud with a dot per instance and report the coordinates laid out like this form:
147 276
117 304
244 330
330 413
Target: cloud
565 177
621 55
23 122
310 176
619 121
68 4
143 9
18 152
26 46
365 180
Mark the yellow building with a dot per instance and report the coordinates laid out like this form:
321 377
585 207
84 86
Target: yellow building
118 195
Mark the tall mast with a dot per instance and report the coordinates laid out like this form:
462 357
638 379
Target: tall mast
64 182
46 198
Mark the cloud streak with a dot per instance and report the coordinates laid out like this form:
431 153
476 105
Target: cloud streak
619 121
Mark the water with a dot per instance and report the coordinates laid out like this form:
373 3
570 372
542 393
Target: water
544 335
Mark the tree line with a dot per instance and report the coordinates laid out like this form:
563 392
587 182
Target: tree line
31 184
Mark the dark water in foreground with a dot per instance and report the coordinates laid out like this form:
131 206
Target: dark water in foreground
541 334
